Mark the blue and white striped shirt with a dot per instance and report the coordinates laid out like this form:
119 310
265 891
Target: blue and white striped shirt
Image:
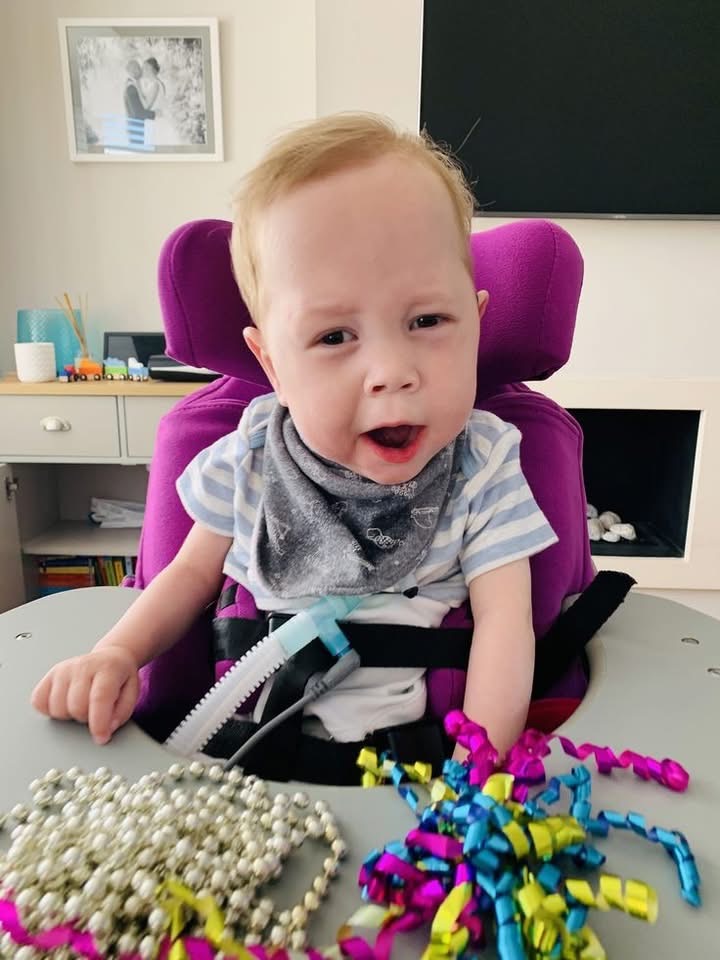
490 519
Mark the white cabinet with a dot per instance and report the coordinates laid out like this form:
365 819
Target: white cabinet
12 586
142 415
59 428
60 444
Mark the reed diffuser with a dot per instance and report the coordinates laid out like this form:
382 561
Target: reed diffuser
66 306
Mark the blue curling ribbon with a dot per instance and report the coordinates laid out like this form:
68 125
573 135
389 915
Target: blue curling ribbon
505 874
549 877
674 843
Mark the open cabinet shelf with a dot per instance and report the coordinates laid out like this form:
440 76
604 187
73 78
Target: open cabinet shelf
78 538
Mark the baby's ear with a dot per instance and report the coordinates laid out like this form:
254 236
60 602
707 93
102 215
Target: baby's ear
254 340
483 298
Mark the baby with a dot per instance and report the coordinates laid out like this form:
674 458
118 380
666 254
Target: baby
367 471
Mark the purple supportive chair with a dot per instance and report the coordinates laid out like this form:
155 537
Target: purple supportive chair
533 271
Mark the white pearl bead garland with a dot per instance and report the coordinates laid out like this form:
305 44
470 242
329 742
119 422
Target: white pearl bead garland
94 850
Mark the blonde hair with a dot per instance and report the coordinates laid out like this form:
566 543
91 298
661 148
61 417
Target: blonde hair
317 149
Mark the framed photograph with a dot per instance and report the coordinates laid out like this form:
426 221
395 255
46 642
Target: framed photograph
142 89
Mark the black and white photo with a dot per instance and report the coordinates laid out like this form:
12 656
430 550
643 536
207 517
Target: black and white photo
142 89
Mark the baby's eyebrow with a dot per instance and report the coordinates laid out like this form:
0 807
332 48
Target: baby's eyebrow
436 299
321 311
430 299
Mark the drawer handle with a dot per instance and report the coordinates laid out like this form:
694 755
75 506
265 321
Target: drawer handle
55 424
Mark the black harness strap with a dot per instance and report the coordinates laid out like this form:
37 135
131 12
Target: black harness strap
566 640
379 644
326 761
287 753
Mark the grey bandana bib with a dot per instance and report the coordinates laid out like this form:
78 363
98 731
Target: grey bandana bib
322 529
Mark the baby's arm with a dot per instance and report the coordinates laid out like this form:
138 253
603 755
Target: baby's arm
101 688
502 656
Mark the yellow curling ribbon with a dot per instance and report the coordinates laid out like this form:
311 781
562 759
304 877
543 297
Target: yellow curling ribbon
368 762
375 772
589 946
372 916
543 914
418 772
178 920
637 899
446 938
499 786
641 900
554 834
441 791
518 838
178 951
179 897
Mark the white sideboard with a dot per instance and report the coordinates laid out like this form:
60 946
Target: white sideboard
60 444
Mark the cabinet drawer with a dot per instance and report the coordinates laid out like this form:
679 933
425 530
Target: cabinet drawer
58 427
142 415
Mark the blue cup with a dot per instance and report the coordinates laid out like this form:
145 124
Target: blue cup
51 326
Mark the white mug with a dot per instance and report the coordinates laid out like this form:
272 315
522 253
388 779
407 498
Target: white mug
35 362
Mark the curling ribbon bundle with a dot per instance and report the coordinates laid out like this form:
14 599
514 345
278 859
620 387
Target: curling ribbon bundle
488 863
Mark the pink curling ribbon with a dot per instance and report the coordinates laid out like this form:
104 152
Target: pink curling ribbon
525 760
83 943
483 756
60 936
439 846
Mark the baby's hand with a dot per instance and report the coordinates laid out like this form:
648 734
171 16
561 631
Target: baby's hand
100 689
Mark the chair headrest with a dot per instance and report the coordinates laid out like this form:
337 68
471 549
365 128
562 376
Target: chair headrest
532 269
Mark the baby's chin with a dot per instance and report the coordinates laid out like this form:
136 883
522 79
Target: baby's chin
389 474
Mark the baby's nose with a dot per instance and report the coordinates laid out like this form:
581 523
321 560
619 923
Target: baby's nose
392 374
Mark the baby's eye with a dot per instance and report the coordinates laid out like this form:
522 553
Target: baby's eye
427 320
335 338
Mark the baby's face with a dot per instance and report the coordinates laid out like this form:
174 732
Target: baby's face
370 321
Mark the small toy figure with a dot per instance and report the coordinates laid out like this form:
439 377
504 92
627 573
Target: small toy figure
136 371
84 369
115 369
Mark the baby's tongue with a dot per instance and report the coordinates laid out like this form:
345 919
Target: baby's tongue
392 436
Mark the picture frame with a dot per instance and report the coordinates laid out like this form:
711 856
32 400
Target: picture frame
142 89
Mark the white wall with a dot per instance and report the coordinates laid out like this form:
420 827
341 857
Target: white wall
651 299
368 57
651 303
97 227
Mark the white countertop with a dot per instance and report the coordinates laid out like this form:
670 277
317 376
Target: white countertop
650 692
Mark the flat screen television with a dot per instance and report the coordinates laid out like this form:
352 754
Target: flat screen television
578 107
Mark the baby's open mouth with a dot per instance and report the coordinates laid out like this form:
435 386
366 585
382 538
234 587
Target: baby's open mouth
396 437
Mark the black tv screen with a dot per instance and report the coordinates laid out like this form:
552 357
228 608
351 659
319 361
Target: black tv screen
578 107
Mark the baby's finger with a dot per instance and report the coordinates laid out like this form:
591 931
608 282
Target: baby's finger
103 695
40 697
78 697
57 700
126 702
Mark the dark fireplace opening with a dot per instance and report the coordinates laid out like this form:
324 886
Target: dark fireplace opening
640 465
